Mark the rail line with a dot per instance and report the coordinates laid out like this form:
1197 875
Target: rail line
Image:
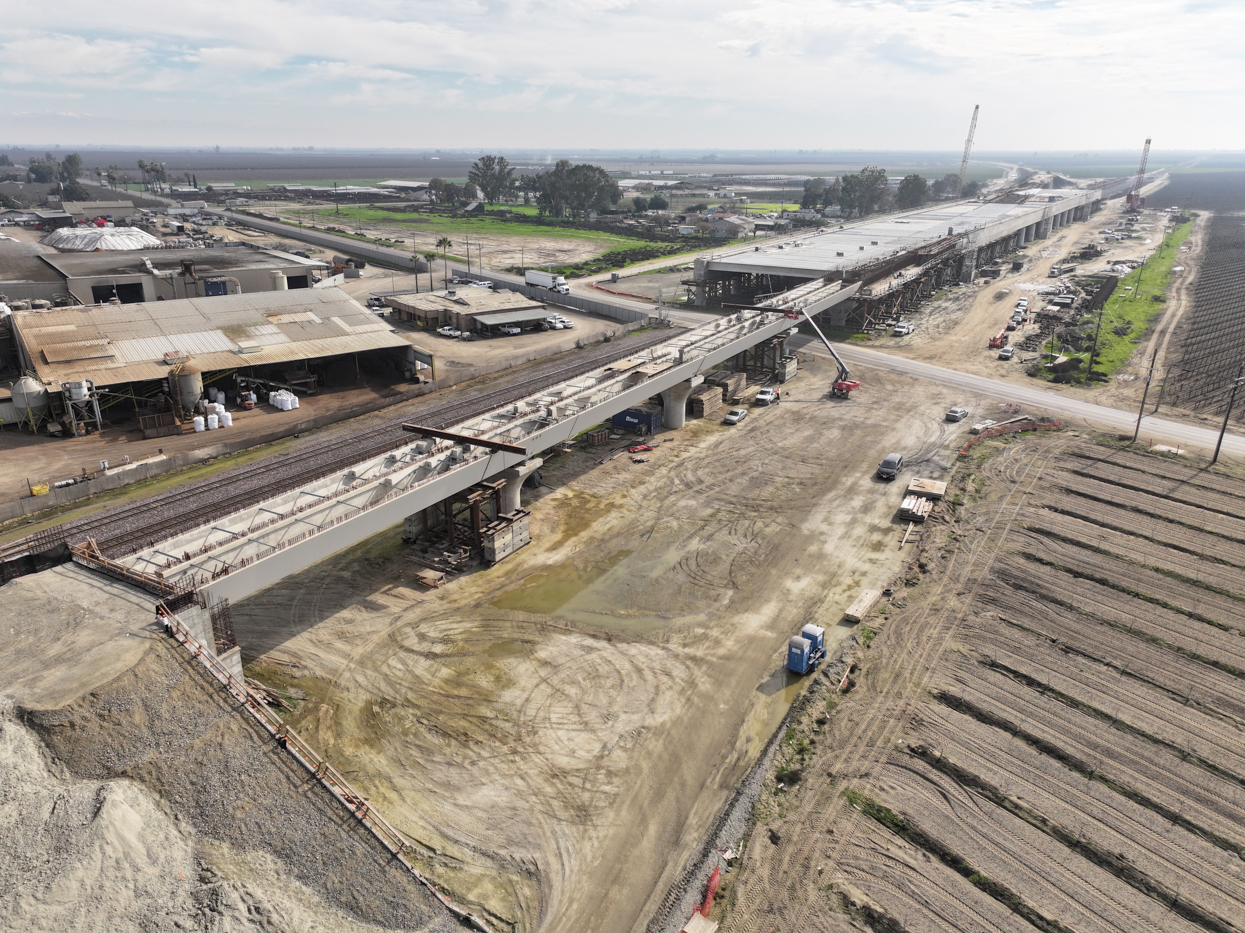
127 529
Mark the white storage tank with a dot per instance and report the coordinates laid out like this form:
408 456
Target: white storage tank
279 282
30 398
77 391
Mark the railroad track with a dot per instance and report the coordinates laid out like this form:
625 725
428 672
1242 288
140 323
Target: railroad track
130 528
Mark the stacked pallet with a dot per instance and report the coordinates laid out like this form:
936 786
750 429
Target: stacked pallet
705 401
927 488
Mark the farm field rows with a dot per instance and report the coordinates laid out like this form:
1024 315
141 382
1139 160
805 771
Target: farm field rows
1046 731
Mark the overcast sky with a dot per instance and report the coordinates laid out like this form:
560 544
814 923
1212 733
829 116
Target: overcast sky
731 74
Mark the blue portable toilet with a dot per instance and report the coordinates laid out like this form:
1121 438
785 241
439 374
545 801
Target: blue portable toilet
799 651
817 635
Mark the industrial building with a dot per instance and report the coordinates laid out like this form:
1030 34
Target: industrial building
474 310
897 259
156 357
156 275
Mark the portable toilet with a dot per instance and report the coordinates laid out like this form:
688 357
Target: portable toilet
799 651
817 635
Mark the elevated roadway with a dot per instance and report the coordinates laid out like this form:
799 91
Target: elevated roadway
238 554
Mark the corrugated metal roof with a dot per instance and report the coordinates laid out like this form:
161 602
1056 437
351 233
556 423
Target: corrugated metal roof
213 332
511 317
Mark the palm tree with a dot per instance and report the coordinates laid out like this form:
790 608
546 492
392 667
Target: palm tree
430 258
444 244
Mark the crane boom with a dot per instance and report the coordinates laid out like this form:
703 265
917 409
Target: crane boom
968 147
1134 196
844 384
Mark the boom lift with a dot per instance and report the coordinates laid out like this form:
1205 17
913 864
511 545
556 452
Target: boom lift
844 384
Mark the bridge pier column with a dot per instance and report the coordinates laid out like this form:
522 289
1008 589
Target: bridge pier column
1029 232
674 403
1043 228
969 268
514 477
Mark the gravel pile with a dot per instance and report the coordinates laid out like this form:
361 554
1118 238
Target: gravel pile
247 840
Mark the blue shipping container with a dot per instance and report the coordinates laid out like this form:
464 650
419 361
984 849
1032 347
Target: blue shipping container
799 652
636 419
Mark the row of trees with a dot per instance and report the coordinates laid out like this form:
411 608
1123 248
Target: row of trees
565 190
866 191
641 204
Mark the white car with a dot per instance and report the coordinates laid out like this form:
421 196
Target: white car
957 413
511 330
449 331
481 283
766 396
903 329
735 415
558 322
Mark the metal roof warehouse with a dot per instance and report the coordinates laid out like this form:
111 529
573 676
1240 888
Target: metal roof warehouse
115 344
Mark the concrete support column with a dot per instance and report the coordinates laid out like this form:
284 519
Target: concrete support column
1030 233
1043 230
674 404
510 498
969 269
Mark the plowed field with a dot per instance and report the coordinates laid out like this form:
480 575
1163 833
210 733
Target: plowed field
1047 732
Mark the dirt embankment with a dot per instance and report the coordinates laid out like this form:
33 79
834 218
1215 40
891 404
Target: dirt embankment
136 797
1047 734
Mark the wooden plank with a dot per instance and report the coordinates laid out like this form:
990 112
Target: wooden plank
929 488
465 439
864 602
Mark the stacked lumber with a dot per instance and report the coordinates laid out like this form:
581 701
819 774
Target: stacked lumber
705 401
928 488
864 602
732 384
915 508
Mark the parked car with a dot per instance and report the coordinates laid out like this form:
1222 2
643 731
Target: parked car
982 426
903 329
448 331
1007 353
957 414
511 330
766 396
889 468
481 283
735 415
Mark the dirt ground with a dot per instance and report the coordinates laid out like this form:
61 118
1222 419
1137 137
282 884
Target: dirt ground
132 789
570 720
954 329
1045 731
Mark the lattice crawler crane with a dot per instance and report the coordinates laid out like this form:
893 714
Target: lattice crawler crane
1135 202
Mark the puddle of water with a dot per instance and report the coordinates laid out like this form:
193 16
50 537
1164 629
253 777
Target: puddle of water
504 649
581 592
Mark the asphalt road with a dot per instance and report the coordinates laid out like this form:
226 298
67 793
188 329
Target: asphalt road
1158 430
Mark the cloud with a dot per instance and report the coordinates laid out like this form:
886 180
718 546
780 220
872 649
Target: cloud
625 73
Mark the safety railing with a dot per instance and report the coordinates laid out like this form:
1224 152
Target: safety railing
319 768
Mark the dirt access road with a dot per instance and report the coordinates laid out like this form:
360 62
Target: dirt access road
1047 733
559 730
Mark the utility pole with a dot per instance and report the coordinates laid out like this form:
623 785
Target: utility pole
1236 383
1144 393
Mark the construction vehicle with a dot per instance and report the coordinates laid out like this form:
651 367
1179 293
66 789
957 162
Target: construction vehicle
1000 340
1134 202
844 385
806 650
